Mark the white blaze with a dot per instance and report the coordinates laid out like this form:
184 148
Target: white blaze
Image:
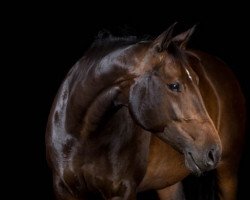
189 76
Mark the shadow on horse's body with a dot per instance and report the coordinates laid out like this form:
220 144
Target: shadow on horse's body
132 116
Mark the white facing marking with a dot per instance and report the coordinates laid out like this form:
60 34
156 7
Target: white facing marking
189 76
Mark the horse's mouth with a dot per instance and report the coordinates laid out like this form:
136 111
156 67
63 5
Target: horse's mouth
192 165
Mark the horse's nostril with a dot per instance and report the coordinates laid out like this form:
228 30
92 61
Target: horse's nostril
211 157
210 154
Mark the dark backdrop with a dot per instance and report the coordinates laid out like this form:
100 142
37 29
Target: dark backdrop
56 36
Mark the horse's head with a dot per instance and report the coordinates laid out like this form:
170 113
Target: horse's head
165 99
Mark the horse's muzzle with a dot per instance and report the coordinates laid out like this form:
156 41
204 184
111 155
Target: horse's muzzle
206 160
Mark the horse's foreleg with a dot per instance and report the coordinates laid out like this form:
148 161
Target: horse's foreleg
130 197
227 181
62 190
122 190
62 194
173 192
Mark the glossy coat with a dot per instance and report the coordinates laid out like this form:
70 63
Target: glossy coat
132 116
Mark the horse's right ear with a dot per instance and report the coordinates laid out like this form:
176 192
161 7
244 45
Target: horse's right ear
182 39
162 42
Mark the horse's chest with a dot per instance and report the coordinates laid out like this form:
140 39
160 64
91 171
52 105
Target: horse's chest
165 166
109 178
102 178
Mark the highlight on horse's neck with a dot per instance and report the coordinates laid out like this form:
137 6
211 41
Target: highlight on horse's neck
97 110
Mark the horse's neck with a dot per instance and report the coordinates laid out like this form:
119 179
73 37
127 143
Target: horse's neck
117 146
95 87
108 128
101 108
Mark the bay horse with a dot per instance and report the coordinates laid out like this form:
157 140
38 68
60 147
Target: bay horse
133 115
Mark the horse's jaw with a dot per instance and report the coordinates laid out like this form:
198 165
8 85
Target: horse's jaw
197 157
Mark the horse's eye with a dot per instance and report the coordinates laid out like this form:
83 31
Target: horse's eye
174 87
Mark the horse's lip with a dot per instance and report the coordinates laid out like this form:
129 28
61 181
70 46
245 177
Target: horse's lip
198 170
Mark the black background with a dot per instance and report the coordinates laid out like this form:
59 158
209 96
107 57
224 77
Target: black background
49 39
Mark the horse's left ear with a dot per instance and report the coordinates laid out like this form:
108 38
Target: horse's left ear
182 39
162 42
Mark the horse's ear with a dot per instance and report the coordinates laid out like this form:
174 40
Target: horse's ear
163 40
182 39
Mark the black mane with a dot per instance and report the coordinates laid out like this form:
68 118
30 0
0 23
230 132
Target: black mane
107 43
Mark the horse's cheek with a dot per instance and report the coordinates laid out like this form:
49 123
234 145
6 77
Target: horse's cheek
137 102
145 105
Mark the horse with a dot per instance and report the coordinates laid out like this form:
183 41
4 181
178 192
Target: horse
136 115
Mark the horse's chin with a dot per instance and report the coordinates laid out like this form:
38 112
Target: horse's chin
192 165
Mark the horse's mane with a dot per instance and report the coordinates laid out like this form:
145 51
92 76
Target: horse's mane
109 39
105 43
